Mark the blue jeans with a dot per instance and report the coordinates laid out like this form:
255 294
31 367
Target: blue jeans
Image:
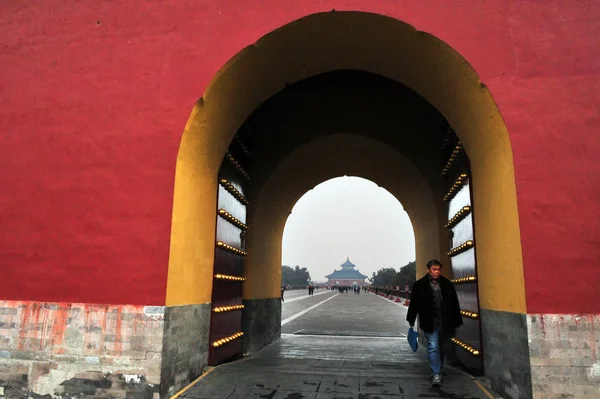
435 354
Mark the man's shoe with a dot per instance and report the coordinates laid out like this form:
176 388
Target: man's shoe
436 380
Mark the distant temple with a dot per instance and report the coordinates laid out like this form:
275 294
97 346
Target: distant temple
347 276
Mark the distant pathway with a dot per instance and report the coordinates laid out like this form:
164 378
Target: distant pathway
348 314
295 316
292 296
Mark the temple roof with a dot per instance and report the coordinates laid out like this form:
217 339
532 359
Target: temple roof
347 272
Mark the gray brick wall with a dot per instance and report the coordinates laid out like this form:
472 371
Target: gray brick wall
185 346
261 322
506 353
565 355
83 350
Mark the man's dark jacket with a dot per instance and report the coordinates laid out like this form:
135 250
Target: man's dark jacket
421 303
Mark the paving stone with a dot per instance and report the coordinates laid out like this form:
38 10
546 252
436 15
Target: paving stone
256 392
343 384
281 394
353 365
301 383
262 381
337 396
379 386
329 364
210 392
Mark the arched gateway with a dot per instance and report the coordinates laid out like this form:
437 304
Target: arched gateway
288 113
114 287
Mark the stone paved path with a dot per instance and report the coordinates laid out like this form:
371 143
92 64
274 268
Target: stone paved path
337 360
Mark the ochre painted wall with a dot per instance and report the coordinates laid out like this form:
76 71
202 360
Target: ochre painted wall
95 97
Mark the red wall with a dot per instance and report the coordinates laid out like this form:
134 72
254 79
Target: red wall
95 96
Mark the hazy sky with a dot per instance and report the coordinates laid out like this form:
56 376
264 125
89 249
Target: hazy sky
348 217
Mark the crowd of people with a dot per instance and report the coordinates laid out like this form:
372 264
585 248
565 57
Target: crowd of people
356 289
342 289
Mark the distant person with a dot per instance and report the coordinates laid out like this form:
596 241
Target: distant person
434 299
282 291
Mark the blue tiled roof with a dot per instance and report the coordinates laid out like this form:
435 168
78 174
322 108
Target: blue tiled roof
347 274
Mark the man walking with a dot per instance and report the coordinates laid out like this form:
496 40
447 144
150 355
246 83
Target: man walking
434 299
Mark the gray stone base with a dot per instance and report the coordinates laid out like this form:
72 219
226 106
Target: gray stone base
185 346
261 323
506 353
65 350
565 355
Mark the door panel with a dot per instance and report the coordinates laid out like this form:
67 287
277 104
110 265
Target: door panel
462 253
228 277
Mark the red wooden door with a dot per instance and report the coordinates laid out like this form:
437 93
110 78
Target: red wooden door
228 278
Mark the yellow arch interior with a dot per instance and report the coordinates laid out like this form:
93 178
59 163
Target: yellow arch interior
329 42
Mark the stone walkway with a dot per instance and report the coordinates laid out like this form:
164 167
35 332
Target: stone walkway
315 367
360 352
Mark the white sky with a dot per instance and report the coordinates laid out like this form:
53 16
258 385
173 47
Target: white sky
347 217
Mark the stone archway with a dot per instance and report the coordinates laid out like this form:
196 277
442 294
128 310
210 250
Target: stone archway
341 41
376 44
